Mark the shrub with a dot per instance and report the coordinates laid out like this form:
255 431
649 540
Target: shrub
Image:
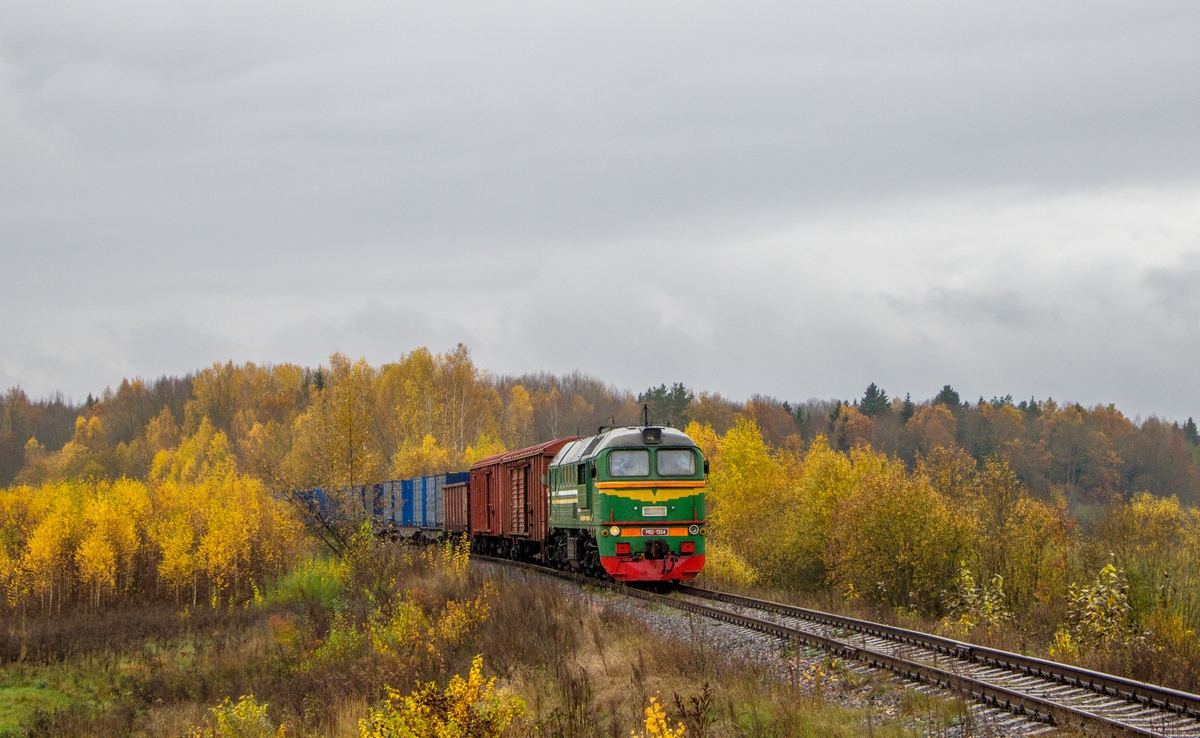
1098 615
970 605
317 580
243 719
468 708
657 725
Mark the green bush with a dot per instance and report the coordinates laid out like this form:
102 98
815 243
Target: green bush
317 580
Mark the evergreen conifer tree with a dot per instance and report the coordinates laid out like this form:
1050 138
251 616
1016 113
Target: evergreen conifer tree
668 405
908 409
949 397
833 418
874 402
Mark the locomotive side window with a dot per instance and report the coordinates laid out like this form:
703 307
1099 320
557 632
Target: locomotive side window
681 463
633 463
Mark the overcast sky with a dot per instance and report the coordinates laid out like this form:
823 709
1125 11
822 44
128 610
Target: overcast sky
781 198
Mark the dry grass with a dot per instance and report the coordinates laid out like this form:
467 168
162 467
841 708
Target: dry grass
583 668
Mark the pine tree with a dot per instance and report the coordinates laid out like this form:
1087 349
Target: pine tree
1190 432
668 405
874 402
948 397
798 415
908 409
833 418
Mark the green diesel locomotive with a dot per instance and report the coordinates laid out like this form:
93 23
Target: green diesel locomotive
628 502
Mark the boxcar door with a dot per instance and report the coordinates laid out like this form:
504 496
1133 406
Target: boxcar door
519 486
491 505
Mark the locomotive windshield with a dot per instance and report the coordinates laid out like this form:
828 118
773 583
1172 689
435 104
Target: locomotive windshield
676 463
631 463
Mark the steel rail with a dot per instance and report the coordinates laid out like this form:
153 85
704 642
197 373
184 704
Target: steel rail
1032 707
1109 685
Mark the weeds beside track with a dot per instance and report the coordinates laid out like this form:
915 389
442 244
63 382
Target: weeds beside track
1040 690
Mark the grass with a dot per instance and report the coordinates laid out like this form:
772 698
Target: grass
584 666
31 694
19 702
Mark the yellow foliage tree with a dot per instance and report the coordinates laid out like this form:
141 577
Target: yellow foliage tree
334 441
894 536
199 524
484 447
771 509
114 516
1156 542
427 458
45 568
933 427
175 537
745 493
518 416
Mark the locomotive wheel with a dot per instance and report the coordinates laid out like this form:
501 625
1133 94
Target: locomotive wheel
556 551
591 558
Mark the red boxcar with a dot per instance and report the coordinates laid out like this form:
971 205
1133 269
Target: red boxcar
508 501
457 513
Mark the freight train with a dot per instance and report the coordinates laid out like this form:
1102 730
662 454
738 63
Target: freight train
626 503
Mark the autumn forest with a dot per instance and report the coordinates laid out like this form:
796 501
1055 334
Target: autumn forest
1036 524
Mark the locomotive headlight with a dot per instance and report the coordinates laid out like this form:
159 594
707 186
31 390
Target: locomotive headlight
694 530
615 530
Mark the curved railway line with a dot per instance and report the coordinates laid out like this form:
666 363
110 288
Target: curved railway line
1039 690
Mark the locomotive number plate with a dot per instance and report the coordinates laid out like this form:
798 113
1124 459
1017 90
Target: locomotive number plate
659 511
655 531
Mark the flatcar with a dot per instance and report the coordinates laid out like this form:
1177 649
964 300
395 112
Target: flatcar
626 503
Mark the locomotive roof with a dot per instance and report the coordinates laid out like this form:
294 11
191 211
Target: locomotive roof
586 448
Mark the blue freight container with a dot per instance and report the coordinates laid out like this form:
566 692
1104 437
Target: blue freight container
376 494
411 503
433 490
391 510
316 501
406 496
385 505
419 502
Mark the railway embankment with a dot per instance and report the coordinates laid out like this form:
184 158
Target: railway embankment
760 684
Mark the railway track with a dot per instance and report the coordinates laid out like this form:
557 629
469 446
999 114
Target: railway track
1042 690
1039 690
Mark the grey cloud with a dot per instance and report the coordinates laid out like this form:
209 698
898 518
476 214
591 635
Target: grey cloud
786 198
176 347
1006 309
542 122
1177 288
